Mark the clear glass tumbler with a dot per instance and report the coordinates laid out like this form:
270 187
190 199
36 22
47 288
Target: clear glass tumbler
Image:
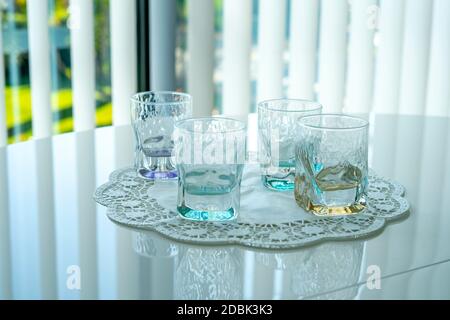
278 122
210 157
153 115
331 164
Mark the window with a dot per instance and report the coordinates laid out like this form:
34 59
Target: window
17 71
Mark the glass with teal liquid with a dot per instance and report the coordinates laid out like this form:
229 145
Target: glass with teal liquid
278 124
210 156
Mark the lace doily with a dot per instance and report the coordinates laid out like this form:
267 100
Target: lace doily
273 221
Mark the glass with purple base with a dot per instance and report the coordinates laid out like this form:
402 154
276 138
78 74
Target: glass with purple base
153 115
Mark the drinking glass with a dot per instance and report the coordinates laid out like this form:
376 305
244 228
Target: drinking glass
210 156
278 122
331 164
153 115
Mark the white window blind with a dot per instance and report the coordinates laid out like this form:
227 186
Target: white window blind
39 46
360 74
303 48
333 54
162 44
438 94
200 58
415 56
388 66
387 56
237 41
3 128
83 63
123 58
271 43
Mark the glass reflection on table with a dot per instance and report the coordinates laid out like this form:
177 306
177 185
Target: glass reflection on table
209 272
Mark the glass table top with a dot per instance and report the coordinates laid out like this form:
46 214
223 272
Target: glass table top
57 243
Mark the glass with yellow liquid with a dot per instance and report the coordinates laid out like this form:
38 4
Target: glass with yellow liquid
332 164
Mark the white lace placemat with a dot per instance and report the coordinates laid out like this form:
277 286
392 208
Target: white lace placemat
267 219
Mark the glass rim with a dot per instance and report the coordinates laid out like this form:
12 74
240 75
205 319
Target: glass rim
365 123
316 105
242 124
186 97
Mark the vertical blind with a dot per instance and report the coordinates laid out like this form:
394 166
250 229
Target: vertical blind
415 56
123 57
351 55
360 56
3 128
332 54
237 41
39 46
438 88
200 57
83 63
271 41
304 27
388 64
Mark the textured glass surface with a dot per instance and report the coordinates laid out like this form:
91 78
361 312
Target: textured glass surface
210 160
209 273
331 164
153 117
278 122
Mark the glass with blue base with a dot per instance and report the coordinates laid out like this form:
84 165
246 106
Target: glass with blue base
210 157
153 116
278 124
